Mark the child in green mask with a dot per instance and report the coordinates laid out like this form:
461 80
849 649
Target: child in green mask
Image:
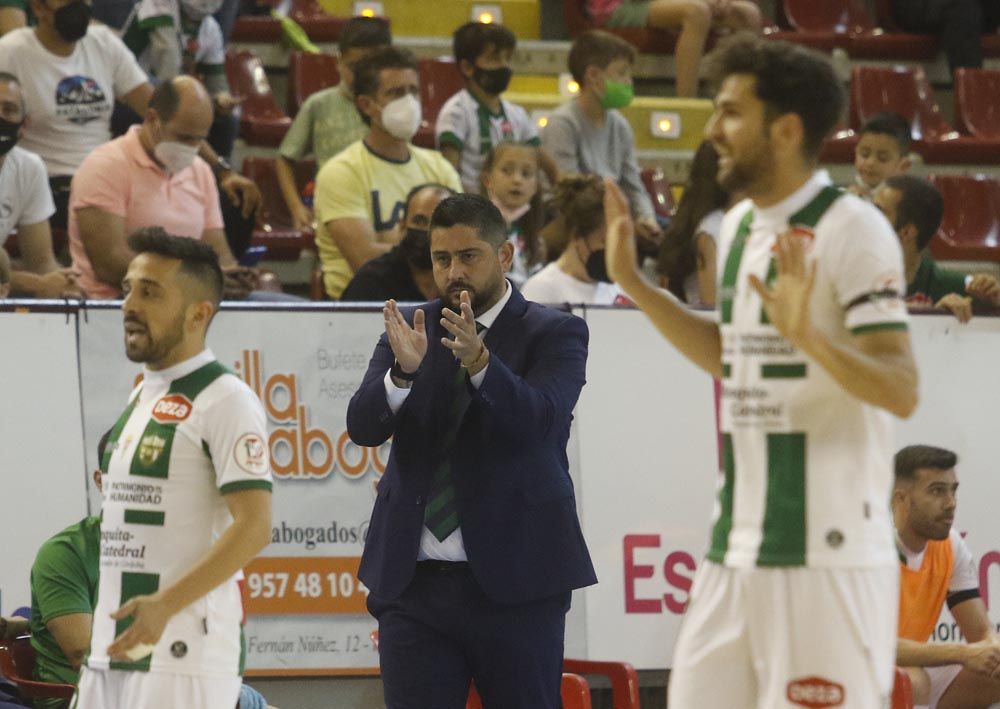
692 19
589 135
476 119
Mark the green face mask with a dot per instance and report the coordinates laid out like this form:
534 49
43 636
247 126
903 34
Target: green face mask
617 94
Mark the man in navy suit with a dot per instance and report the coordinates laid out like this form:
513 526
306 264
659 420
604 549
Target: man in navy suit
474 544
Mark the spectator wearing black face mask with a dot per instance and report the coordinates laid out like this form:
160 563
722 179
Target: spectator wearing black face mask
405 273
477 119
72 72
579 275
26 205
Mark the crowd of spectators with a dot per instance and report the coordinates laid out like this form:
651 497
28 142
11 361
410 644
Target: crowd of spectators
109 127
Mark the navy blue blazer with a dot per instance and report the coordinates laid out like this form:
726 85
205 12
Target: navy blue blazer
515 497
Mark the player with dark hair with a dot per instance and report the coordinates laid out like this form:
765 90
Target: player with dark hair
795 603
937 568
187 497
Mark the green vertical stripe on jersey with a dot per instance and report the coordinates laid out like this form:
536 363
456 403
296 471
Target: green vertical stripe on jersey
732 270
243 652
772 276
134 584
151 517
116 432
723 525
194 383
727 370
784 541
152 454
486 124
783 371
810 214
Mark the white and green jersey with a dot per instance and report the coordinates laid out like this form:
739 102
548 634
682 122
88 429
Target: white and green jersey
471 127
191 434
806 466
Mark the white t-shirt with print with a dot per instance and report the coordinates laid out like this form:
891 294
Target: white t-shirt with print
554 285
69 99
24 192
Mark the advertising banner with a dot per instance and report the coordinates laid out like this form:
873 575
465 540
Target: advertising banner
41 454
649 469
306 610
643 456
648 462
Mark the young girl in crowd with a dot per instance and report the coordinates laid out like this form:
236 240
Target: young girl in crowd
579 274
510 180
687 257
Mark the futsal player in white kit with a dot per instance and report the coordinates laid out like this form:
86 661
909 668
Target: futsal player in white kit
187 498
795 603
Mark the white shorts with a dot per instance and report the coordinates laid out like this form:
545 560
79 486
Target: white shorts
797 637
941 678
123 689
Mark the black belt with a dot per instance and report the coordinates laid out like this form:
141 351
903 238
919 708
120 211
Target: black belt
442 567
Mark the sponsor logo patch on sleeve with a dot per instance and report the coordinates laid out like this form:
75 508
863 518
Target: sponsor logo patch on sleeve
250 454
172 408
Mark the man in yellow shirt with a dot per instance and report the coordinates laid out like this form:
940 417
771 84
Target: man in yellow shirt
361 193
937 567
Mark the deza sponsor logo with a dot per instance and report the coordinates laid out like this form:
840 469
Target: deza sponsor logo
815 693
172 408
299 451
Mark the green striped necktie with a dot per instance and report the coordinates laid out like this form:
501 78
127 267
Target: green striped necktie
441 514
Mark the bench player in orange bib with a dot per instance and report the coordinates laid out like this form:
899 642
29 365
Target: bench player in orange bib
936 567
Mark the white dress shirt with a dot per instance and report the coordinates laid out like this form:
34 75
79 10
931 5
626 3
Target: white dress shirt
451 548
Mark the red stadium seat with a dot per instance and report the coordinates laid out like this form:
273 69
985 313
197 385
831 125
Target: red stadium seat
624 680
17 663
318 25
902 691
574 690
307 74
846 24
902 89
990 43
970 228
646 40
262 121
439 81
659 192
976 110
839 17
274 222
906 91
839 147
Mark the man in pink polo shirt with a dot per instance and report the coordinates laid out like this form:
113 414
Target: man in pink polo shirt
151 176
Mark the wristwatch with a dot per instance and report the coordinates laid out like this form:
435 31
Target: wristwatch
222 165
398 373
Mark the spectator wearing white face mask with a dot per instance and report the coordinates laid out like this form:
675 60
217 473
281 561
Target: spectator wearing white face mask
73 72
151 176
361 192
